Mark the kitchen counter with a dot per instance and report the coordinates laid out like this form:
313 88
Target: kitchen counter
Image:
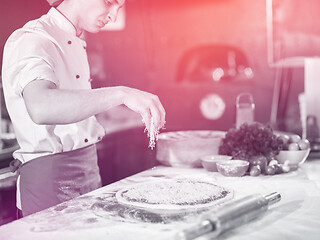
119 119
98 215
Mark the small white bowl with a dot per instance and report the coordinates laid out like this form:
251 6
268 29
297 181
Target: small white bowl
233 168
209 162
293 157
8 139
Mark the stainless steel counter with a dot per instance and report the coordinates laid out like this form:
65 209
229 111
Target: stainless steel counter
98 215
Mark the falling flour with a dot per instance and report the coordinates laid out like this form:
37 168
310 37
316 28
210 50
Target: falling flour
152 133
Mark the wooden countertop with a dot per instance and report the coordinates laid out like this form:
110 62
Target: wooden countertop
97 215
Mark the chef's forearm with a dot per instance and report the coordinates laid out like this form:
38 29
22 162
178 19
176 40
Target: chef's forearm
76 105
46 104
56 106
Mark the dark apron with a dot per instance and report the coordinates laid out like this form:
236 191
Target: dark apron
49 180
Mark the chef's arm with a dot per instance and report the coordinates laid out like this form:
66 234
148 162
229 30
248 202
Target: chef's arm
46 104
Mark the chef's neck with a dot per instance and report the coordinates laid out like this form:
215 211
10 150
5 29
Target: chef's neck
72 14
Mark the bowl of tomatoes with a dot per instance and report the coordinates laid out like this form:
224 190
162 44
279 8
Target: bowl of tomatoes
295 151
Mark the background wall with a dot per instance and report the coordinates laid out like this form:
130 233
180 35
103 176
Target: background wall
157 34
146 54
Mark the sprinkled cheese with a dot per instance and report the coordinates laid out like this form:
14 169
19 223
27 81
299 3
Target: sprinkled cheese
175 193
152 133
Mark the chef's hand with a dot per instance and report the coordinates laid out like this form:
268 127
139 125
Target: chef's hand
147 105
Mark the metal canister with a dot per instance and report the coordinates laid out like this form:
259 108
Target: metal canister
244 109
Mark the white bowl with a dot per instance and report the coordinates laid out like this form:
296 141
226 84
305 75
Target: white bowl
185 148
293 157
233 168
210 162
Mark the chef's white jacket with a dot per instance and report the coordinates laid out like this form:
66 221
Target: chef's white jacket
46 49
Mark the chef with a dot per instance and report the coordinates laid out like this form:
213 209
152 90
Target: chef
46 81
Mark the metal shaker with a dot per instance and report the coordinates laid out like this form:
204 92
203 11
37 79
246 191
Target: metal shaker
244 109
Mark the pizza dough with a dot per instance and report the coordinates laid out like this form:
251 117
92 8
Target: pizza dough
173 195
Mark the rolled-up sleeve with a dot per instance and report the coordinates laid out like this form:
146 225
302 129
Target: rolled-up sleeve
34 69
34 59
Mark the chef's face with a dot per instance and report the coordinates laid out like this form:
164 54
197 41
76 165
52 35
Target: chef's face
97 13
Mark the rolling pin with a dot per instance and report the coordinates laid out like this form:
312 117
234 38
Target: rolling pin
230 215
